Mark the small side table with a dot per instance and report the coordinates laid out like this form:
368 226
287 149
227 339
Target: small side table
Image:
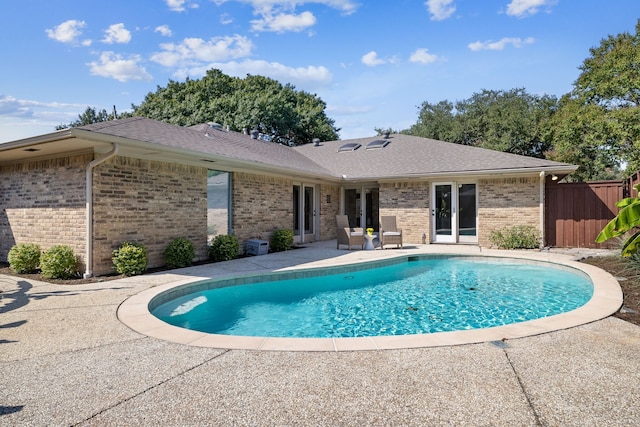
368 244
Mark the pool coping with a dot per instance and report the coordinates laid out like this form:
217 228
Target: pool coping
606 300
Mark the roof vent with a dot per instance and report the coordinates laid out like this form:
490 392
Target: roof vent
214 125
316 142
351 146
254 133
386 134
378 143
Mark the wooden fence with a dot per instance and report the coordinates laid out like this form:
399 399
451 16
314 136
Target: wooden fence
576 212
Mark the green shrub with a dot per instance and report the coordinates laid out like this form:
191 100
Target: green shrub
24 257
517 237
179 253
224 247
130 258
59 262
281 240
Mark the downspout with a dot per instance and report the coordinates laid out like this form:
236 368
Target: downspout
89 209
542 208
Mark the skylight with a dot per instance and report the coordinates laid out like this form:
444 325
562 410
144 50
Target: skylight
378 143
352 146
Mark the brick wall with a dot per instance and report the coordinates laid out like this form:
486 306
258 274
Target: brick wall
409 202
154 202
328 211
148 202
507 202
43 202
260 205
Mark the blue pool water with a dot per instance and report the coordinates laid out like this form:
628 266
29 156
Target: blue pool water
413 297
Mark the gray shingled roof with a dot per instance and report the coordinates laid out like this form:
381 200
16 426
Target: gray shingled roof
209 142
410 156
404 157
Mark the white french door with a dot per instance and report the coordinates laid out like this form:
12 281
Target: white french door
454 215
443 213
305 207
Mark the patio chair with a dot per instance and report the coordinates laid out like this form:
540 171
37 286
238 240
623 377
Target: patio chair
389 233
347 235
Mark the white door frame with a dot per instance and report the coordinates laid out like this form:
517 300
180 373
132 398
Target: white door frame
444 211
302 236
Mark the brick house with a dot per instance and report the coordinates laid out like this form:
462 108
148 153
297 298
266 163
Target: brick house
137 179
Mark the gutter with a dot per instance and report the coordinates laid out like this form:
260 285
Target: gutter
89 208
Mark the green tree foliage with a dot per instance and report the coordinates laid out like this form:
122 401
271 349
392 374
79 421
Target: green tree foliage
599 121
510 121
437 121
581 137
281 113
90 115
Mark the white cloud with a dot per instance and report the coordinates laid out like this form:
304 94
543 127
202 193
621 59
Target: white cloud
226 19
440 9
181 5
423 56
116 67
117 33
307 77
279 15
268 6
284 22
371 59
164 30
501 44
192 51
522 8
22 118
10 106
68 32
13 107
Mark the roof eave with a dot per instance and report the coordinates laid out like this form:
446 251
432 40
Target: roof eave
560 169
36 140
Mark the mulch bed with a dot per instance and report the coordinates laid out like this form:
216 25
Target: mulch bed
628 276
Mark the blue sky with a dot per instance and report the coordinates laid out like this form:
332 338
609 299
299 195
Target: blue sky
373 62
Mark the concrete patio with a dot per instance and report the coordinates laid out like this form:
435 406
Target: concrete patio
66 359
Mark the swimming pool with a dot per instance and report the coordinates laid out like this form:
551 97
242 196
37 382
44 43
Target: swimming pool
135 311
411 295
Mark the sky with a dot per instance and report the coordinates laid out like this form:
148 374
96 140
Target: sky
372 62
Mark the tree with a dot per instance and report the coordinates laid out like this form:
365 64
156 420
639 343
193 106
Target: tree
279 112
580 136
90 115
437 121
602 113
510 121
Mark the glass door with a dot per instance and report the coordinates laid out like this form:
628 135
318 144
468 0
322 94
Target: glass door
454 213
304 213
443 213
362 206
467 213
309 213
